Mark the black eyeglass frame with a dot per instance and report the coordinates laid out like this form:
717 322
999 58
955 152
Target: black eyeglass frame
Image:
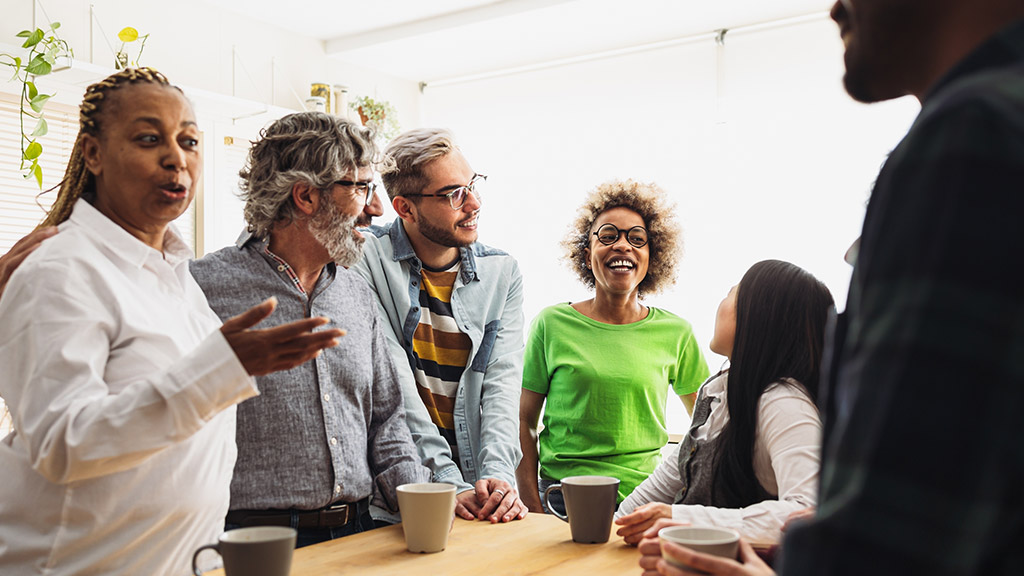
468 188
619 233
369 187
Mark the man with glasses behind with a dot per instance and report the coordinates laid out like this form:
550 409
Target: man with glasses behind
454 309
325 436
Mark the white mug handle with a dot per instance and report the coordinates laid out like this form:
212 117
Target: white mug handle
195 557
547 505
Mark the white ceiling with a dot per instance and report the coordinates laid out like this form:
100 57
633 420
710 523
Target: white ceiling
430 40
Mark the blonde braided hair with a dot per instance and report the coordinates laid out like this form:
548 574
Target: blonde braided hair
78 182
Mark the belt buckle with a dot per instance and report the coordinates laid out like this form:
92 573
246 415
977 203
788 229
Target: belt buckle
327 516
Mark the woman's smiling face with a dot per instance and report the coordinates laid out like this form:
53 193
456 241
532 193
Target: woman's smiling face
618 268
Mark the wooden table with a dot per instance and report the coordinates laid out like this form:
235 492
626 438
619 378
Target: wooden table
537 544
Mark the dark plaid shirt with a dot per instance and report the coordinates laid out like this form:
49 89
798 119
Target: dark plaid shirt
923 464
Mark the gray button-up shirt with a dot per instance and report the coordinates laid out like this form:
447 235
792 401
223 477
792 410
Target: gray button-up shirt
332 429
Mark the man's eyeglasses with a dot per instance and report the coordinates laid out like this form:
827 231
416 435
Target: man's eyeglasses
364 187
457 196
608 234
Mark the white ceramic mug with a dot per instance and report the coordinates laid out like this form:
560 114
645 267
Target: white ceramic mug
717 541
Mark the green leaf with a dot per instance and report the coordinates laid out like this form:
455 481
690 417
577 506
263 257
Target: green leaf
55 26
33 151
33 39
39 101
23 34
39 66
37 171
41 128
32 90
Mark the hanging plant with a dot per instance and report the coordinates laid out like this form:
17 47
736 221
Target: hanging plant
44 48
379 114
129 35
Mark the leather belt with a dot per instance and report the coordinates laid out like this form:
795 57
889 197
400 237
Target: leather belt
333 516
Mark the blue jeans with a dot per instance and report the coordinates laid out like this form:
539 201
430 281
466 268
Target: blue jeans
309 536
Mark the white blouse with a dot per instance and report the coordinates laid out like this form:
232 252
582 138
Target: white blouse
122 391
787 453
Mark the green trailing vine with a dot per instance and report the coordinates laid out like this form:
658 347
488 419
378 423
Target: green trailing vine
44 48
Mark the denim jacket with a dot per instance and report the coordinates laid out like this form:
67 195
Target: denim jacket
487 302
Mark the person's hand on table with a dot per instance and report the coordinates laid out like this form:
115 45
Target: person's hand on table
262 351
653 564
493 499
21 249
638 521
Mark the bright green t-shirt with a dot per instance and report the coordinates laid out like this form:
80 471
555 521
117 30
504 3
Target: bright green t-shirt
606 387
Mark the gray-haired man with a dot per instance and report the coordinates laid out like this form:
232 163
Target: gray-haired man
329 436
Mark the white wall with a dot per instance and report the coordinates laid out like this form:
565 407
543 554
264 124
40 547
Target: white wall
213 55
779 167
193 44
758 144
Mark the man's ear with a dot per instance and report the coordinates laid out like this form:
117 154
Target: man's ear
405 209
306 198
91 154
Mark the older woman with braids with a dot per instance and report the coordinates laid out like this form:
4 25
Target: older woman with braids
121 381
604 366
751 456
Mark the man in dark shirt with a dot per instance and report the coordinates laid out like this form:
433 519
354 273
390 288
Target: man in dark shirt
923 467
923 463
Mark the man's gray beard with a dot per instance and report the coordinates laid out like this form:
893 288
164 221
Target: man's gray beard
333 230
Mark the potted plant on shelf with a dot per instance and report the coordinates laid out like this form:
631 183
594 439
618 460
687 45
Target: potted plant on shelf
379 114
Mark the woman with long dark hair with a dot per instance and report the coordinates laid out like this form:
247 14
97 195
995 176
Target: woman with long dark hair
751 456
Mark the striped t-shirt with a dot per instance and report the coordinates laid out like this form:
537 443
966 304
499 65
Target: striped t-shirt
441 350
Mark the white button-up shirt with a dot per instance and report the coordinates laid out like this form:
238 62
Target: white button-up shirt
787 458
122 391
